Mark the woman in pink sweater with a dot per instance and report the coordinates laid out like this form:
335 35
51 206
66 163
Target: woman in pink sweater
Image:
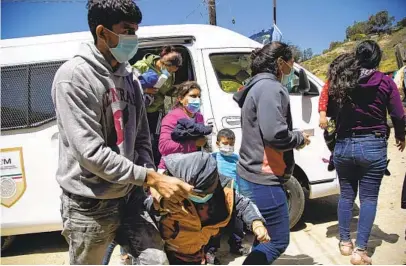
187 106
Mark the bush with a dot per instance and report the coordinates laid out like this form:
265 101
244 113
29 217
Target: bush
358 37
334 45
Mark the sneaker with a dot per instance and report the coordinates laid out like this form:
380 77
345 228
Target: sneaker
211 258
240 250
125 259
346 248
360 257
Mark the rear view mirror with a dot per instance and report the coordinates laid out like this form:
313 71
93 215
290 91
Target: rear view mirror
304 84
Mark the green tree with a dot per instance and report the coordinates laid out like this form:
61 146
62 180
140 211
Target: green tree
381 22
307 54
402 23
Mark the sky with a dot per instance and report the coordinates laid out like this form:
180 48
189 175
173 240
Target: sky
307 23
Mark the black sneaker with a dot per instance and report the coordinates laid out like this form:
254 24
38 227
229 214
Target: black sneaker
211 258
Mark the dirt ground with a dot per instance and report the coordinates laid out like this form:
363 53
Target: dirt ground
313 241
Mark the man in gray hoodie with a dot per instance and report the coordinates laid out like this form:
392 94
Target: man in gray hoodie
105 157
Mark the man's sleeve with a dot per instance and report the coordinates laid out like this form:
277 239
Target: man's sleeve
143 141
246 210
273 124
79 113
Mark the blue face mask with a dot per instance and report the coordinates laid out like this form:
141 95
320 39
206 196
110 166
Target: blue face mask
200 200
286 79
193 105
126 48
165 72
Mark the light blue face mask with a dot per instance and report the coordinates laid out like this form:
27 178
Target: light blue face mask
193 105
200 200
126 48
286 79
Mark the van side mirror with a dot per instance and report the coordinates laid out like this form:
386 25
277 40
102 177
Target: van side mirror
304 84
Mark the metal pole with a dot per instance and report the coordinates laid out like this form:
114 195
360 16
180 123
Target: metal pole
212 12
274 12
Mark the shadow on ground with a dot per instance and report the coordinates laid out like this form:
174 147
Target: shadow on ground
319 211
36 243
301 259
375 240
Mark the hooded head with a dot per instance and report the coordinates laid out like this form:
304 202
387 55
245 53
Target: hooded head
198 169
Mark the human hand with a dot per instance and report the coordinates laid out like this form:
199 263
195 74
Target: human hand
170 188
201 142
323 122
400 145
259 229
306 139
151 91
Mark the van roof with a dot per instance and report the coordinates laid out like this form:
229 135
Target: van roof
64 46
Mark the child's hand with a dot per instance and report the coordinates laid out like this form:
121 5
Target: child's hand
323 122
151 91
260 232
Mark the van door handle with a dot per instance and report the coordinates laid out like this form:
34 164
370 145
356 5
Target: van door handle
232 120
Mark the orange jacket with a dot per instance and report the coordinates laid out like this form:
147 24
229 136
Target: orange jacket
183 233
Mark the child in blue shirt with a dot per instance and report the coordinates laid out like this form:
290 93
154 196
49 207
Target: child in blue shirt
227 166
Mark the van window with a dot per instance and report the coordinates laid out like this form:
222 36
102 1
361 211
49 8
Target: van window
231 69
26 95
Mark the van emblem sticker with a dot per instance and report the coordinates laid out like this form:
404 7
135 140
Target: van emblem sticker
13 183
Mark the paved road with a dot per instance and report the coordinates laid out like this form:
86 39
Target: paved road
313 241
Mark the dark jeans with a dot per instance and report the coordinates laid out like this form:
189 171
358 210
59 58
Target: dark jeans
360 162
90 225
235 230
154 122
272 203
109 252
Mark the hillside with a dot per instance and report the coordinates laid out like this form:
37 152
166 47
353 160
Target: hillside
318 65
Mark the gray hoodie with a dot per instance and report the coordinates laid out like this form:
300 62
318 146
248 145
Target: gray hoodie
104 144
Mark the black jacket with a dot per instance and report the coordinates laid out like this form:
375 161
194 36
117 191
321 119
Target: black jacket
187 129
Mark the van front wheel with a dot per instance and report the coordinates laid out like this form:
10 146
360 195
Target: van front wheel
6 242
296 200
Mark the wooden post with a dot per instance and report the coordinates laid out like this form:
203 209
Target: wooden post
212 12
274 12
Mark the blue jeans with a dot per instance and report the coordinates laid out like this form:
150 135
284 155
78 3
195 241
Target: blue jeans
90 225
109 252
360 162
272 203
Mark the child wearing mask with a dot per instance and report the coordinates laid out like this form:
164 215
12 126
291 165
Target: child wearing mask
227 166
213 203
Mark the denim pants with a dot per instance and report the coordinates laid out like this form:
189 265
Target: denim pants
90 225
360 162
272 203
109 252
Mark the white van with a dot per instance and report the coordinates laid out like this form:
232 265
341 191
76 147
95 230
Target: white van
217 58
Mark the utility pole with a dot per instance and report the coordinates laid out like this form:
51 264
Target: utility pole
274 12
212 12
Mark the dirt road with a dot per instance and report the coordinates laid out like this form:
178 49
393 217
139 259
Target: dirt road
313 241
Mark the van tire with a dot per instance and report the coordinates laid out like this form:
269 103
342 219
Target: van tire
296 200
6 242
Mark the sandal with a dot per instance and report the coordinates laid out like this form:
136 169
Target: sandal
346 248
360 257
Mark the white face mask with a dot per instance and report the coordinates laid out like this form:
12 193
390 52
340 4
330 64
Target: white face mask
226 149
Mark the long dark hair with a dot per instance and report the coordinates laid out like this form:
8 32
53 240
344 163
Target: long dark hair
265 59
345 75
170 56
343 78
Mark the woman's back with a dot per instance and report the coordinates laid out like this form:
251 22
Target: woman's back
375 95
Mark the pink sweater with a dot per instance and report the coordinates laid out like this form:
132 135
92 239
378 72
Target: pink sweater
166 144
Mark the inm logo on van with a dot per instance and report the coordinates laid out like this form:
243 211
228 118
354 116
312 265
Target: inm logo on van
5 161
